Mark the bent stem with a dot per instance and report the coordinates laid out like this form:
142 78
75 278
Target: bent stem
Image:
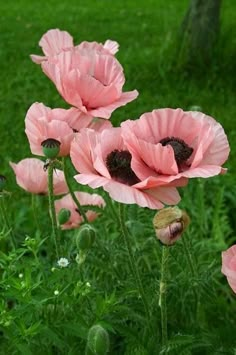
52 211
162 295
6 221
81 211
132 263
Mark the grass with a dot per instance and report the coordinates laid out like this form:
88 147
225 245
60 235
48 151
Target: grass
147 32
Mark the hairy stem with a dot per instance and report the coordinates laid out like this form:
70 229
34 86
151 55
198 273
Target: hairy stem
81 211
162 296
52 211
132 262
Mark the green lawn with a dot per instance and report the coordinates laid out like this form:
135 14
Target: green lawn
147 32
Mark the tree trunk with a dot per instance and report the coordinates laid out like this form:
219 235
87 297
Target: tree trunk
200 29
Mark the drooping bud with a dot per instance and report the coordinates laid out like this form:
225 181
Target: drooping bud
85 237
98 340
169 224
2 182
63 215
51 148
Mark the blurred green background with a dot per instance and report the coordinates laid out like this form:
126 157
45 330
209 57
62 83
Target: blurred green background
149 52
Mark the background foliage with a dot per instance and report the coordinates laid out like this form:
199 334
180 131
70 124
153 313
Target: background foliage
35 320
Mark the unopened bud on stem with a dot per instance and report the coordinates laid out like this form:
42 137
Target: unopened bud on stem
169 224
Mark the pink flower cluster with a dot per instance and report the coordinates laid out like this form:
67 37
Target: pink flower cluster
144 160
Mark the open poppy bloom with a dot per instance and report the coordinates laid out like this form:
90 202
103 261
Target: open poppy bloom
169 144
31 176
42 123
229 266
84 198
89 80
55 41
102 158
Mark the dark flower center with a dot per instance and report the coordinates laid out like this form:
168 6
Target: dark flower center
181 150
118 163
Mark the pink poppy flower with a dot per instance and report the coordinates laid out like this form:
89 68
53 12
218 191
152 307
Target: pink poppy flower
229 266
169 144
85 199
89 80
31 176
42 123
55 41
102 158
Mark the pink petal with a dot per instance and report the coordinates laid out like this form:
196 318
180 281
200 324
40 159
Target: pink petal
92 180
111 46
30 175
105 112
54 41
38 59
91 92
80 152
218 149
129 195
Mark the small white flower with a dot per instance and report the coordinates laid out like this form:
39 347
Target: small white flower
63 262
56 292
88 284
20 276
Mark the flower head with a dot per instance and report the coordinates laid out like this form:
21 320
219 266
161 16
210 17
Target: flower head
170 144
89 80
75 219
63 262
169 224
103 159
55 41
229 266
31 176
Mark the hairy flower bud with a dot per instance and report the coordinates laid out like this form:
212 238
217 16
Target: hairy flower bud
51 148
85 237
169 224
98 340
63 215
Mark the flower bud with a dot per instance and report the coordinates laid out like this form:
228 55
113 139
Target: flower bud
63 215
169 224
2 182
51 148
98 340
85 237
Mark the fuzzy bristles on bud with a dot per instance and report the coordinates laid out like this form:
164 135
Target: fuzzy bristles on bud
85 237
169 224
63 216
98 340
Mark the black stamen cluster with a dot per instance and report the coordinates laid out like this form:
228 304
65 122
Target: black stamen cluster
181 149
118 163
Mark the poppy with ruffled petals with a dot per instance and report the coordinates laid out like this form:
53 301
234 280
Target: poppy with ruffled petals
32 177
169 144
102 158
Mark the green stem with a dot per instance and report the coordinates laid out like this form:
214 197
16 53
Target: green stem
162 296
52 211
6 221
132 262
81 211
